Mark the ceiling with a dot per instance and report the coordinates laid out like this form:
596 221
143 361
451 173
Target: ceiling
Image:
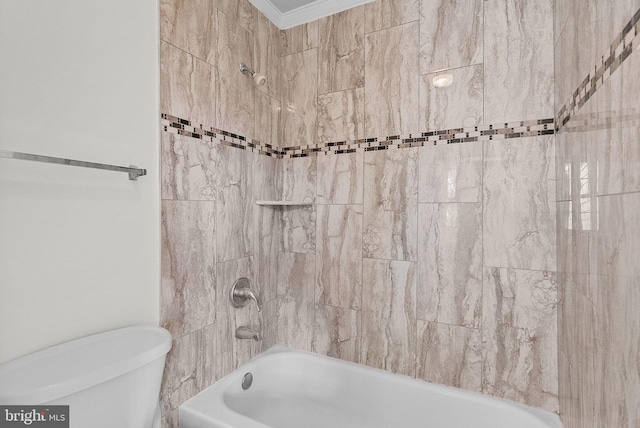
288 5
289 13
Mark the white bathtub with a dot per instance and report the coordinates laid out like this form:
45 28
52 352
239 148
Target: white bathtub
293 389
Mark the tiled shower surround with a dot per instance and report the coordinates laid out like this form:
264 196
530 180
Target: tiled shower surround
598 171
529 128
426 253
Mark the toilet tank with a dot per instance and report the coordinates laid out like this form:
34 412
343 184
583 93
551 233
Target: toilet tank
108 380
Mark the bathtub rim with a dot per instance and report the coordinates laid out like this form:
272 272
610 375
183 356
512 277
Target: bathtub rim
190 409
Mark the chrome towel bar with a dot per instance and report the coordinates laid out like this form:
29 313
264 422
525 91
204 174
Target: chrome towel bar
133 171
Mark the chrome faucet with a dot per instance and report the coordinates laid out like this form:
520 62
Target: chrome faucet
245 332
241 293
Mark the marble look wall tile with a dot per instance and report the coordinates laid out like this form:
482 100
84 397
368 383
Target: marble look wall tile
267 54
583 42
619 228
231 352
184 371
299 102
341 53
391 87
450 173
170 420
577 173
264 184
269 324
579 351
520 299
519 204
612 17
588 31
240 12
340 179
450 268
339 256
336 333
296 273
598 316
619 154
618 369
187 85
389 316
582 154
390 204
459 105
187 295
298 226
267 119
565 66
234 90
389 13
519 336
341 116
561 12
187 168
300 38
191 26
391 62
265 175
512 367
518 60
577 235
451 34
579 54
610 21
267 255
577 158
598 345
298 223
297 276
234 210
563 166
450 355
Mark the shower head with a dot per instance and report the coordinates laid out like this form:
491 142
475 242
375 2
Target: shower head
258 78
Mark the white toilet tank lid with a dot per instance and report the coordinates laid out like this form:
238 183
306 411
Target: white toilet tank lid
73 366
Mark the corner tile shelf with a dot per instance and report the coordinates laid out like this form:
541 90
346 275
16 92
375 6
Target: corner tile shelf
284 203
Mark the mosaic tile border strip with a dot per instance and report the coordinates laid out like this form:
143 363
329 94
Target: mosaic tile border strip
176 125
502 131
588 122
622 46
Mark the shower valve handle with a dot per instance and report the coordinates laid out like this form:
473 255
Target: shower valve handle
241 293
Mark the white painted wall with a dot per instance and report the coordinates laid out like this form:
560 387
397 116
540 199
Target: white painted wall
79 248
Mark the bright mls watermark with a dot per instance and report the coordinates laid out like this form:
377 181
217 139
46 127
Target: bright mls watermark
34 416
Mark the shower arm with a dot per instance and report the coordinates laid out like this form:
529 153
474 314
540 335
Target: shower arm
258 78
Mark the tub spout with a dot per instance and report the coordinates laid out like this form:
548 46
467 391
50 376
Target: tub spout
245 332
